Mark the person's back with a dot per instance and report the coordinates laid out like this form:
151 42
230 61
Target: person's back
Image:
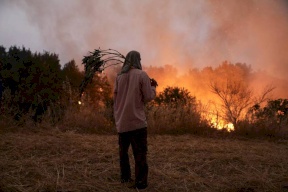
132 90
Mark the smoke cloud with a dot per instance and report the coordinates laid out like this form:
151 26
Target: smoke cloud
186 34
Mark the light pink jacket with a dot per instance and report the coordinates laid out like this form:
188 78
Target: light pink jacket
132 90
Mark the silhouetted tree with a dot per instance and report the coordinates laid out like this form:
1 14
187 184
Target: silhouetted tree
174 95
33 79
98 92
230 84
72 73
72 77
274 113
174 110
2 59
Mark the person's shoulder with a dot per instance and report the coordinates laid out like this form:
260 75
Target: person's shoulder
139 72
143 74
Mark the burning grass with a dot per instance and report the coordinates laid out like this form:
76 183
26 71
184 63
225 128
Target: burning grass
67 161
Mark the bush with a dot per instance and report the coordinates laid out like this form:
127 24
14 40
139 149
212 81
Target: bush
270 120
175 111
168 119
87 118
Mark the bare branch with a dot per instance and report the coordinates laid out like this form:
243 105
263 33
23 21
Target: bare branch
268 89
235 97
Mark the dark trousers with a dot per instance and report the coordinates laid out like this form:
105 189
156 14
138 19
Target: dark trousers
138 141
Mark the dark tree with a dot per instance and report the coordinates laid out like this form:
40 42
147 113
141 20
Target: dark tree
72 77
274 113
33 79
229 83
98 92
174 95
72 73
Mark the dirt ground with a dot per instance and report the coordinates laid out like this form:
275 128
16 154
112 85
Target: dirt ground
57 161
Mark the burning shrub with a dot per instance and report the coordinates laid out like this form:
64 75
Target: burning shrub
270 120
176 96
87 119
175 111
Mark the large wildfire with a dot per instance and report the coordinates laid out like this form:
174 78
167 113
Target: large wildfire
200 84
183 44
228 77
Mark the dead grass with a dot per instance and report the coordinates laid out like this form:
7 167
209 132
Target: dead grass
57 161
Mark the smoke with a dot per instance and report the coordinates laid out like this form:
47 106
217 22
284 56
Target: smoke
186 34
254 32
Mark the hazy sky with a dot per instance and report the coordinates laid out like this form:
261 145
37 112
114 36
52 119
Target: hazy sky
185 33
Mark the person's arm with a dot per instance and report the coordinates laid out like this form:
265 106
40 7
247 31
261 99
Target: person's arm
149 92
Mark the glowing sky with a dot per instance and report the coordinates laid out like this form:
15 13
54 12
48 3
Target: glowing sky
186 33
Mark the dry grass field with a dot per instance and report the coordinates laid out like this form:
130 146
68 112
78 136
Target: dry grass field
68 161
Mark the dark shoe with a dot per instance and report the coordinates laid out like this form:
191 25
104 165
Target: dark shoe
140 185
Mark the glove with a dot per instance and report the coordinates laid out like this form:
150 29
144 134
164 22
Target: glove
153 82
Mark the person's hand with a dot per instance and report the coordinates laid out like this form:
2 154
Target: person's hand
153 82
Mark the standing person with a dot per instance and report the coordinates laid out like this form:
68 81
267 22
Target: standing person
133 88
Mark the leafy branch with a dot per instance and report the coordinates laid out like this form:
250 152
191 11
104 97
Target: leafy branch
97 61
